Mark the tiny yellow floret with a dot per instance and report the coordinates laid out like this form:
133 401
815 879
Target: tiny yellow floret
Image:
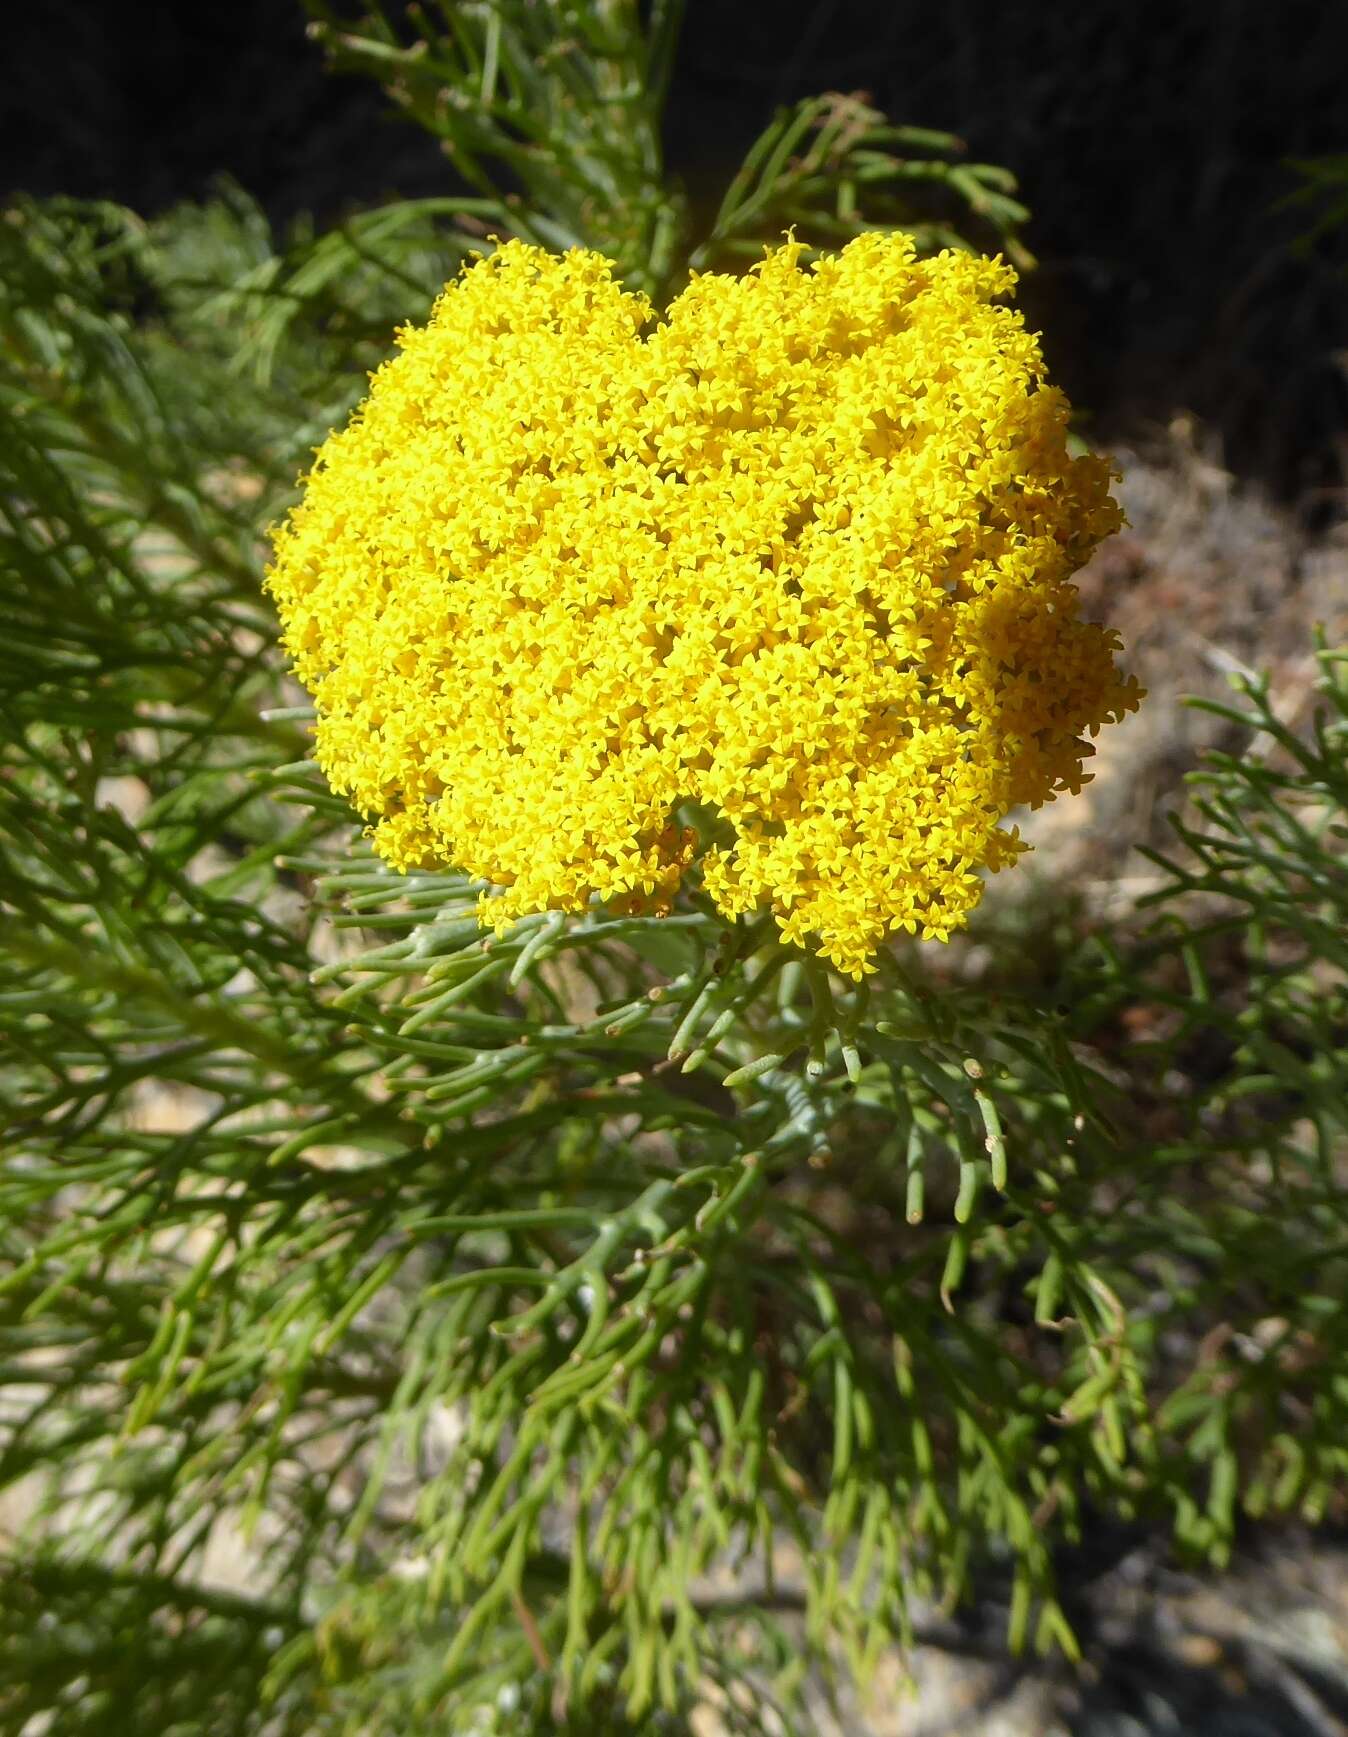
798 554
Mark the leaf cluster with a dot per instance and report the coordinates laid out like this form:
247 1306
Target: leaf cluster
550 115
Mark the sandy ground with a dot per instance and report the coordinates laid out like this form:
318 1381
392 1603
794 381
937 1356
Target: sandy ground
1208 581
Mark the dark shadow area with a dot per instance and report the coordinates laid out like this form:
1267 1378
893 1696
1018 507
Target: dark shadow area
147 101
1153 145
1172 1654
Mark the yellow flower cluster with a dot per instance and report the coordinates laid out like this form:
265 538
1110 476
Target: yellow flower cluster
799 554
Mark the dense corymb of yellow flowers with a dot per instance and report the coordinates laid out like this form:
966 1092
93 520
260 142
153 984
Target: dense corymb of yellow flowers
798 554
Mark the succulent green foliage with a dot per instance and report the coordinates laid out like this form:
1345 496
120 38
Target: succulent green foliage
195 1658
549 1330
550 115
340 294
1323 193
832 166
1241 994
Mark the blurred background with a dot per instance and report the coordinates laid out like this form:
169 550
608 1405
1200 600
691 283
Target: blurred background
1156 144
